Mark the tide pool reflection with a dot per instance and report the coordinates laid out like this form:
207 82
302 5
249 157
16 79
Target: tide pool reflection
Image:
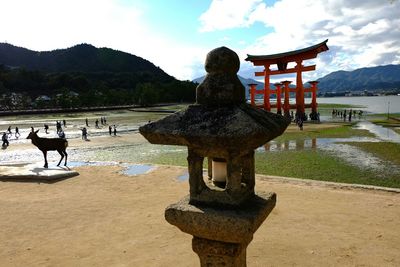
290 145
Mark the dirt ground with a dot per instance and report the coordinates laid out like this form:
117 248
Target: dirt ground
105 218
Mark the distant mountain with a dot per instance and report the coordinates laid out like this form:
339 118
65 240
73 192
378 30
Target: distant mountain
374 79
371 79
243 80
79 58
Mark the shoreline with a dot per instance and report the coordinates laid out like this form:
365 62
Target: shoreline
4 113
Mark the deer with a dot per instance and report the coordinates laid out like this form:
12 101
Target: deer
46 144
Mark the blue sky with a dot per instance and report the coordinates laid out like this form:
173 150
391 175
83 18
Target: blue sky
177 34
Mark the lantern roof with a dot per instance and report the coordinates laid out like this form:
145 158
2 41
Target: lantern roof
240 127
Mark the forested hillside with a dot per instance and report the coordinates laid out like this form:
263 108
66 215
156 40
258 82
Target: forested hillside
84 75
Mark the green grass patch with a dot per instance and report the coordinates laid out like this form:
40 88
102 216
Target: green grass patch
170 158
310 164
337 106
384 150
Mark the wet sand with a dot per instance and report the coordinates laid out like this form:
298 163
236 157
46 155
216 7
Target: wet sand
105 218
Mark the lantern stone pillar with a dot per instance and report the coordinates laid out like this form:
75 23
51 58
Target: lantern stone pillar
221 219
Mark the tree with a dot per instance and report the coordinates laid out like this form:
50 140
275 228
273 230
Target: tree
146 94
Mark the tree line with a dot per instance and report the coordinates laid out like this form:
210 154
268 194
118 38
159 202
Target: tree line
20 89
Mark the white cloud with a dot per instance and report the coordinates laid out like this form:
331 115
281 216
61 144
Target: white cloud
226 14
361 33
49 24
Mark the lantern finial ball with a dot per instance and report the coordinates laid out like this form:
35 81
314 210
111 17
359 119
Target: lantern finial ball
222 59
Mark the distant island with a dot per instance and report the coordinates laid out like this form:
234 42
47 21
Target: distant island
84 76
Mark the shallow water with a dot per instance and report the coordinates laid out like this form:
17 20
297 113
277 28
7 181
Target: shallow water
183 177
138 169
373 104
383 133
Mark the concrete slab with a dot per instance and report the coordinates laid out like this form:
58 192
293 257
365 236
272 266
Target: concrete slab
34 172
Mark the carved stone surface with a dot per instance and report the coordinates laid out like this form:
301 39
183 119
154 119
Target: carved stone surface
221 86
216 253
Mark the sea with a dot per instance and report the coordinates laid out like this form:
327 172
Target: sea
372 104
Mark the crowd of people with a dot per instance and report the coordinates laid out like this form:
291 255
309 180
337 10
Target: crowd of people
111 129
346 114
60 126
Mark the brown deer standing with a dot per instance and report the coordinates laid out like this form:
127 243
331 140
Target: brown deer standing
46 144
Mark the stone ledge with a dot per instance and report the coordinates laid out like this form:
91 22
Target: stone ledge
236 225
33 172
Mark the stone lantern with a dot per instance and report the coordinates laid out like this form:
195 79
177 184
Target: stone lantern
223 128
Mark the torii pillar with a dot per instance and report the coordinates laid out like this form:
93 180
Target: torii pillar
314 105
267 89
286 104
253 88
278 98
300 109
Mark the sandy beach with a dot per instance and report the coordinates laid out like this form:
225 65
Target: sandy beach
105 218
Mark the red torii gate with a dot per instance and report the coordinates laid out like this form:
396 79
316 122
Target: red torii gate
282 60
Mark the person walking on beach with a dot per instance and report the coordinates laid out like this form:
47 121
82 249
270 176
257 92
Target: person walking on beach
87 122
84 134
115 130
61 134
97 123
9 131
64 123
17 134
350 114
110 129
4 138
46 128
58 126
300 124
